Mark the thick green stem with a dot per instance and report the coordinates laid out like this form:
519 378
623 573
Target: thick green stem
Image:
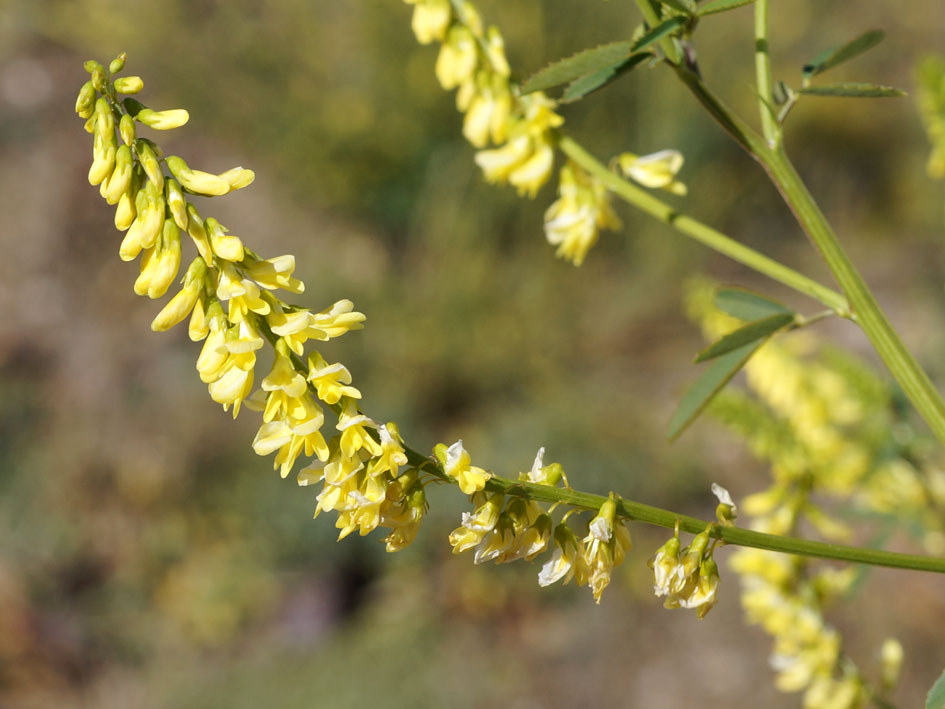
763 74
866 311
639 512
706 235
900 361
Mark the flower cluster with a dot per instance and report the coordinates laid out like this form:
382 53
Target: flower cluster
229 294
472 60
824 423
689 577
505 528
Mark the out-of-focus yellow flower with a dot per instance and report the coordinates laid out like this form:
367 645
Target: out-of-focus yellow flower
573 221
657 170
431 19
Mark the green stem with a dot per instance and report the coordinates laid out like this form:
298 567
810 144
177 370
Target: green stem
639 512
763 74
667 44
890 347
706 235
866 311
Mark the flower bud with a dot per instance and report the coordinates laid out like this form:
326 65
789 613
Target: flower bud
150 163
117 64
163 120
85 103
226 246
197 181
176 202
129 84
238 177
126 126
198 233
168 261
120 178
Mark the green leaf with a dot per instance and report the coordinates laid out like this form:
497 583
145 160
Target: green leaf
657 33
581 87
722 6
853 89
936 696
745 305
836 55
577 65
713 379
745 335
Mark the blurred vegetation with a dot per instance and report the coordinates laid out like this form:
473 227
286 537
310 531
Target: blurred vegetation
148 558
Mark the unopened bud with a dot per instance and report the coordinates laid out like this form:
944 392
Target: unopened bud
126 127
85 103
129 84
117 64
197 181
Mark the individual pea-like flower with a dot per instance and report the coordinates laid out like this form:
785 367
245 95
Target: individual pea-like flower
605 546
726 512
657 170
573 221
431 19
330 380
458 465
567 559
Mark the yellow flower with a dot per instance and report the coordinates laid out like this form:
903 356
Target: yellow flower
657 170
330 380
354 437
573 221
275 273
392 454
457 465
567 560
431 19
458 58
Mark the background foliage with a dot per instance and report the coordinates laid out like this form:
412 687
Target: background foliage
149 558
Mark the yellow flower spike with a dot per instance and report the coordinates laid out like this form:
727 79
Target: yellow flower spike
330 380
125 212
120 179
431 19
126 128
657 170
128 84
198 232
495 52
276 273
176 202
168 260
457 59
227 246
117 64
85 102
238 177
196 181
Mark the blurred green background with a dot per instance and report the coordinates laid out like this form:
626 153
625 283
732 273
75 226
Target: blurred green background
149 559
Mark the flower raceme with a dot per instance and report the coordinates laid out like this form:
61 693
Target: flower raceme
229 294
230 297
